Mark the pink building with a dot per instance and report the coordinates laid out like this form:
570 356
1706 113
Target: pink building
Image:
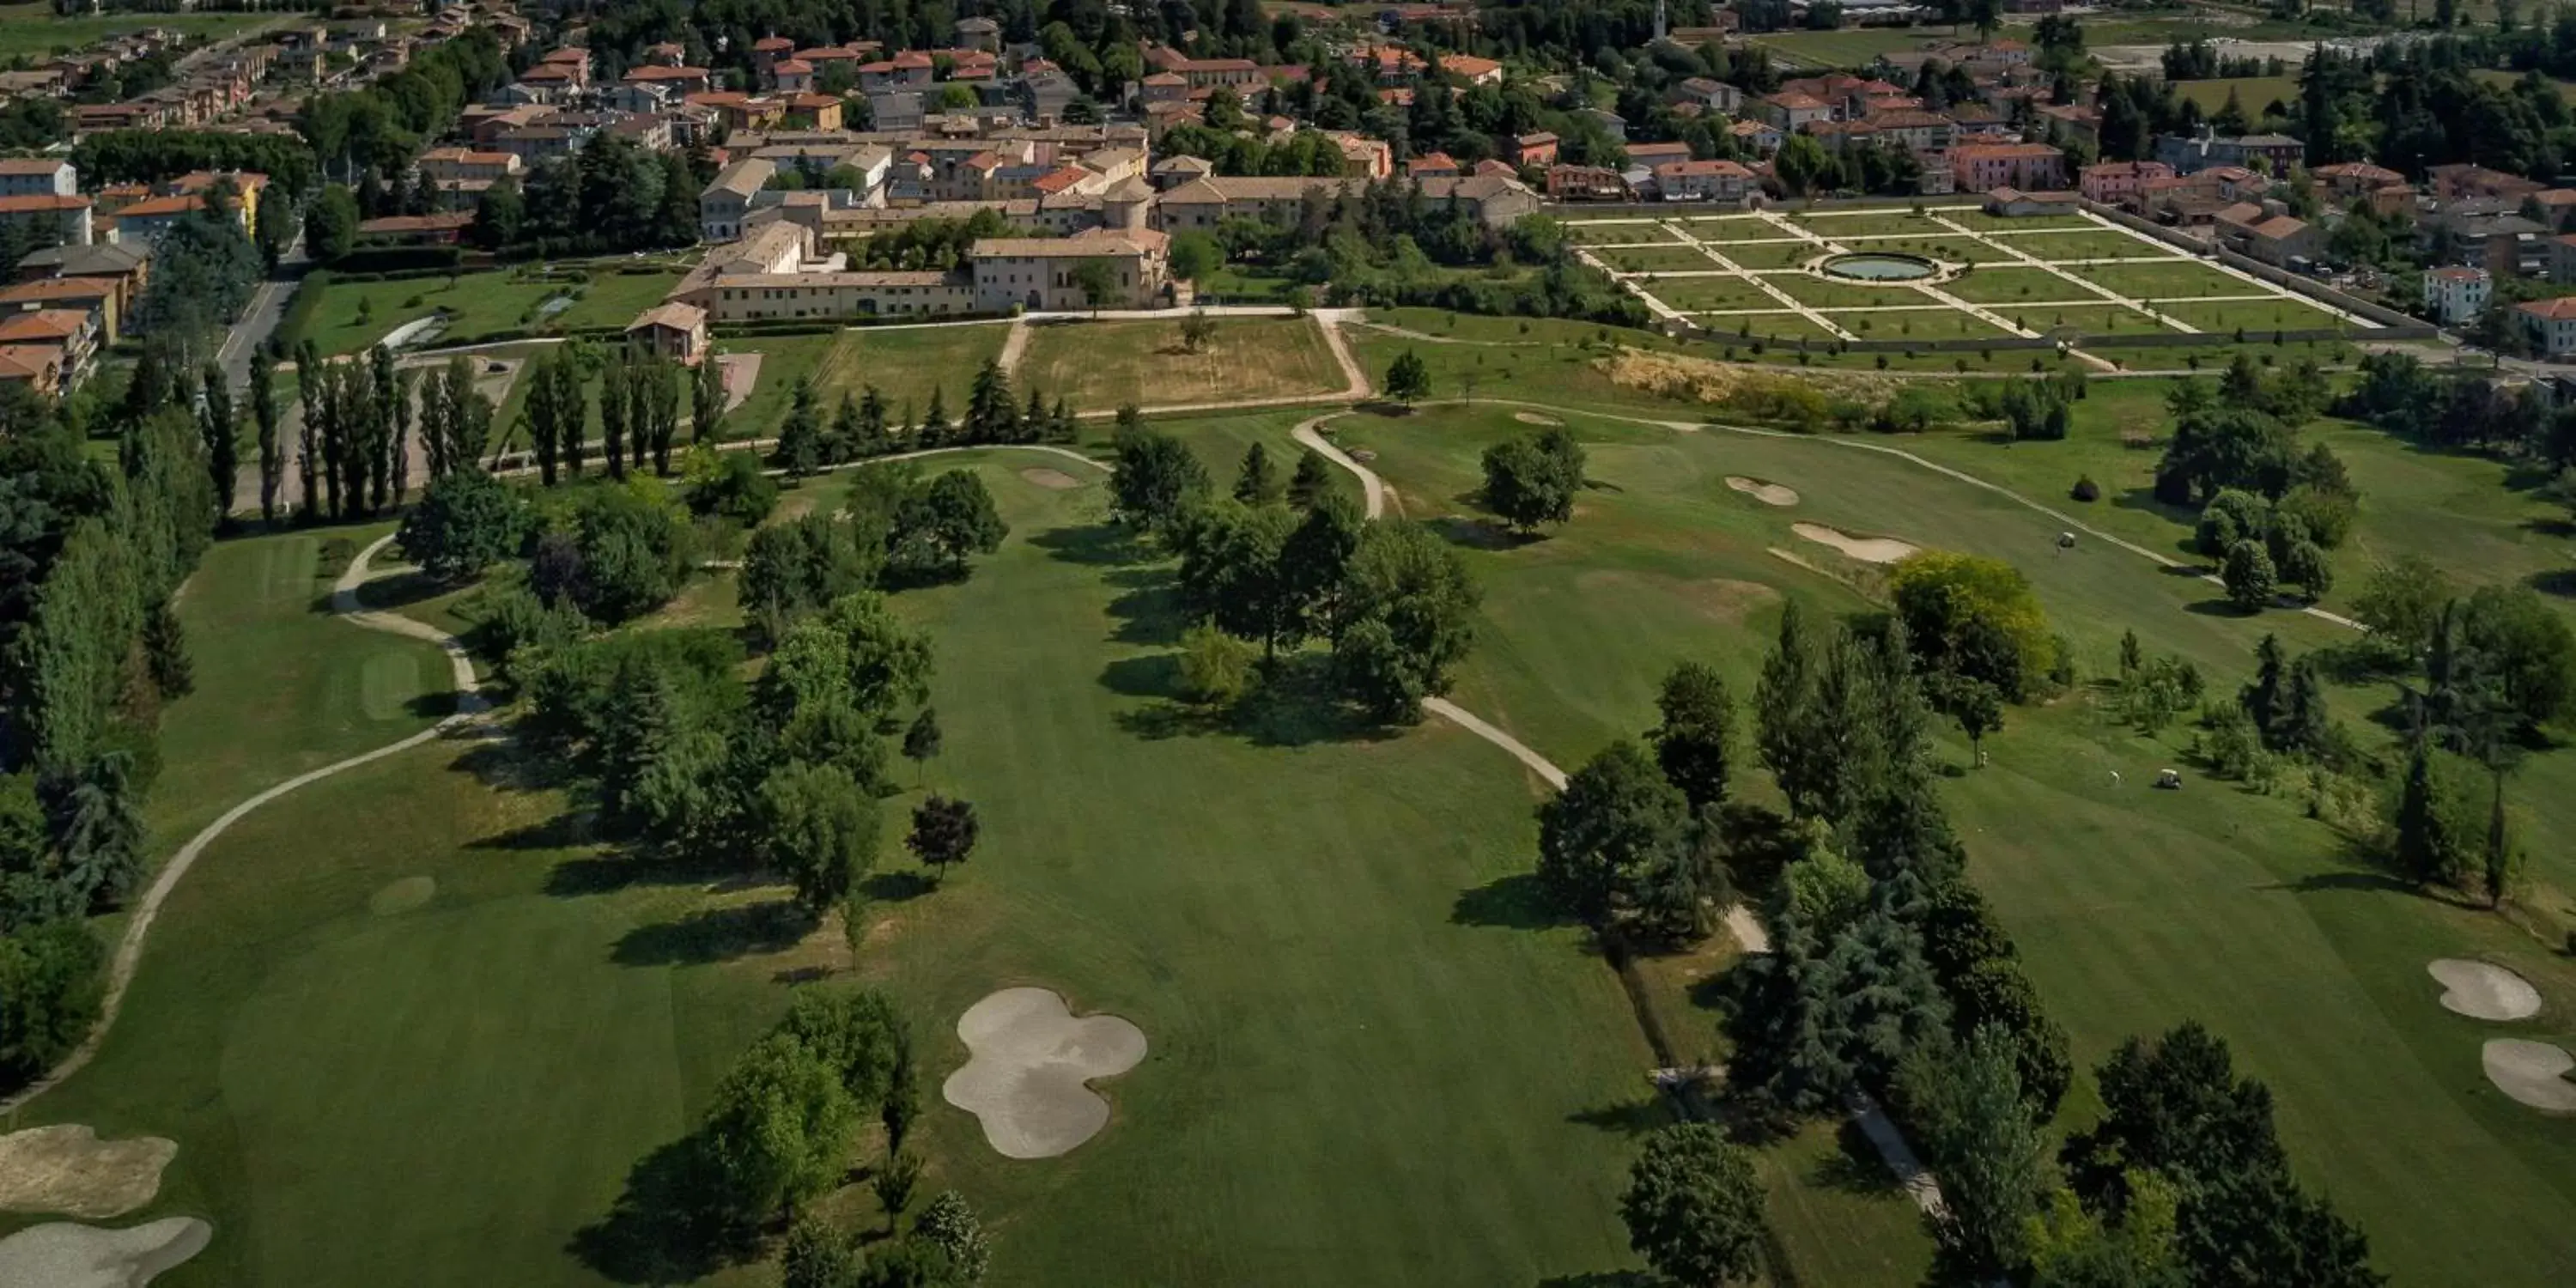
2031 167
2113 182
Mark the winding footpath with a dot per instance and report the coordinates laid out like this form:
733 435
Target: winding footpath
129 948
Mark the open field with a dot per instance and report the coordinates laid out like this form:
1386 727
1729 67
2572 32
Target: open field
480 305
2254 316
2135 909
1691 294
1611 231
1927 324
1658 259
1108 364
907 363
2168 280
2253 93
35 30
1770 254
2005 284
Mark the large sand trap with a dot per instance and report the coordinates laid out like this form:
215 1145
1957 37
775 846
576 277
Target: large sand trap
1766 493
1047 478
66 1168
1877 550
63 1255
1031 1059
2534 1073
2483 991
402 895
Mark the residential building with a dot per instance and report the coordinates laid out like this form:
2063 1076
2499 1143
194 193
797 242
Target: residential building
1791 112
38 177
2277 153
97 295
1585 183
2345 181
39 367
1537 148
69 216
126 268
1714 95
1043 273
2114 182
2030 167
724 202
2562 259
672 330
444 229
2455 295
2464 180
1720 181
74 332
2266 233
2549 324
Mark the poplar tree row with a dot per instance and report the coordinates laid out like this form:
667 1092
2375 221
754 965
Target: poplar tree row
638 410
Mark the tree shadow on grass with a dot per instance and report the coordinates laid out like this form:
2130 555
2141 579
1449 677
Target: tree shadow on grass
508 764
662 1229
2555 581
1854 1167
1631 1118
895 887
1149 612
1104 545
1513 902
1476 533
714 935
1295 705
1603 1279
563 831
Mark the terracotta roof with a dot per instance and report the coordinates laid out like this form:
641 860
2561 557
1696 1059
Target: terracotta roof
675 314
30 165
2558 310
40 201
41 325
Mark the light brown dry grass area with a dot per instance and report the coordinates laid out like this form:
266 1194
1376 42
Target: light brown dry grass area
1667 375
1109 364
67 1169
1721 599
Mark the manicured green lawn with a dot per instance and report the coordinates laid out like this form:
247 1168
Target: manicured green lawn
2057 246
2006 284
1726 228
1772 325
281 685
1293 919
1973 217
480 305
2136 909
2086 319
1658 259
1691 294
2159 280
1817 292
907 363
2253 93
1772 254
1912 324
1611 232
2282 313
1839 224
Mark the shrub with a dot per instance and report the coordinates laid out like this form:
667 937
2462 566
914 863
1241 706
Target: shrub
1216 668
2086 489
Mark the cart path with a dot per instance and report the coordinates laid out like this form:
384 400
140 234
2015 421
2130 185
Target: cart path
147 909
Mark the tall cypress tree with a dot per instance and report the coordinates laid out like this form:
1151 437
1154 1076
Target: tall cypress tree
223 442
612 415
308 461
263 413
707 401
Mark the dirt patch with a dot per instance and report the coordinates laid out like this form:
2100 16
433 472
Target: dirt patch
401 896
1755 390
1032 1059
741 375
2534 1073
66 1168
63 1255
1720 598
1766 493
1535 418
1055 480
2484 991
1877 550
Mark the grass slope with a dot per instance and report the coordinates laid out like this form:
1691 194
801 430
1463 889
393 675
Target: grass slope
2136 909
906 364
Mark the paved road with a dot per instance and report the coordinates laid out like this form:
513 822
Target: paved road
259 321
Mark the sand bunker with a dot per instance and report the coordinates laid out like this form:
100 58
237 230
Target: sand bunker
66 1168
1047 478
2483 991
1535 418
1766 493
63 1255
401 896
2534 1073
1877 550
1031 1059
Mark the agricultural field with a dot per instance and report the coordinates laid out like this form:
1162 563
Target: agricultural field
906 364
